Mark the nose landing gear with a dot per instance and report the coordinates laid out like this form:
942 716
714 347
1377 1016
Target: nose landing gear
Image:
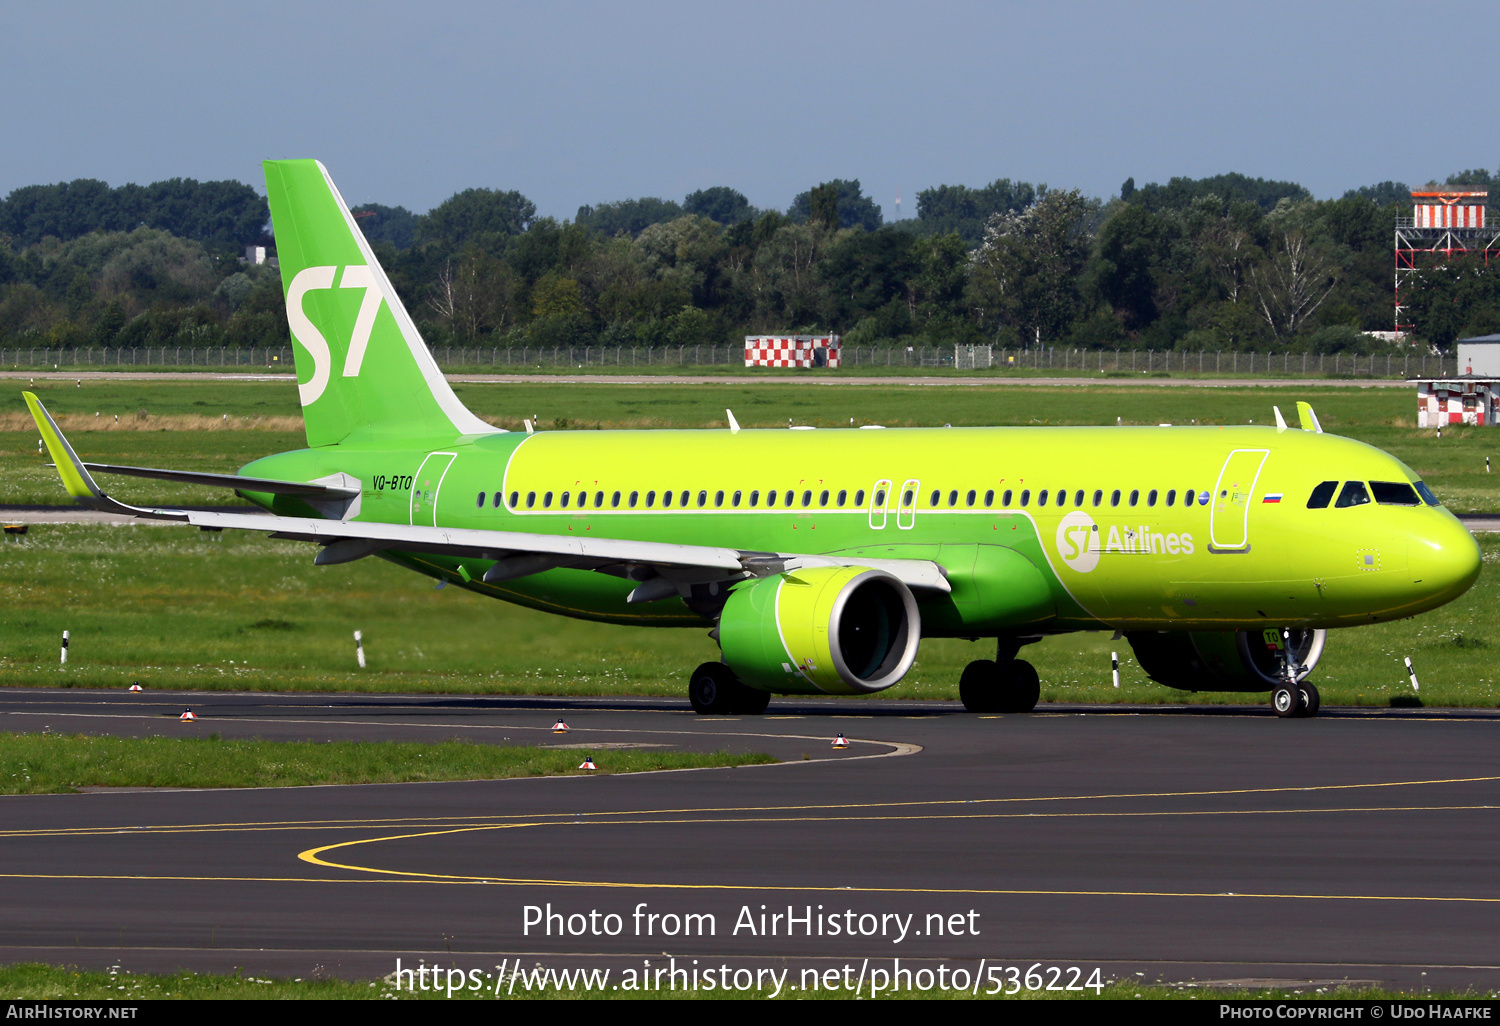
1294 697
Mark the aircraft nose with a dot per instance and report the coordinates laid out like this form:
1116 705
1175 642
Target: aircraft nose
1444 558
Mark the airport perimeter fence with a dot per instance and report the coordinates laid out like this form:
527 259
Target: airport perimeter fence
1072 362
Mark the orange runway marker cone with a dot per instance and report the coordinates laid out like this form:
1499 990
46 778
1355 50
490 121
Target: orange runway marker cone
841 742
588 763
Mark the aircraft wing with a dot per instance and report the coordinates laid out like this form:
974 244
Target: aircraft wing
662 568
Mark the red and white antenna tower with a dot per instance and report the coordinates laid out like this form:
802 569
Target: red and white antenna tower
1445 223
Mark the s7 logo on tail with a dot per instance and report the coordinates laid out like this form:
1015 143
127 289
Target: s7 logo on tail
356 276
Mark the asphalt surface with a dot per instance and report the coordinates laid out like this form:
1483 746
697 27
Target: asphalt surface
1173 843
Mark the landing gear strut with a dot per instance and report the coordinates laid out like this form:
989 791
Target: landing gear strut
1293 697
714 688
1001 685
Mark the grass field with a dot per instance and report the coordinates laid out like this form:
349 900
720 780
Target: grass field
220 426
61 763
36 982
175 608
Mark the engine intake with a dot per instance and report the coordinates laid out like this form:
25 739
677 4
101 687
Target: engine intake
1221 660
844 630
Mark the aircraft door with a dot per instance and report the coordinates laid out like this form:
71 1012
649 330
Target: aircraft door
1229 518
425 487
879 498
906 513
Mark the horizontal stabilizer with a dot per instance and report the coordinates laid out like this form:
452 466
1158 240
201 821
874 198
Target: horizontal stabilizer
245 484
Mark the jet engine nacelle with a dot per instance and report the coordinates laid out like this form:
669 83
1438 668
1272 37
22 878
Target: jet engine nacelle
841 630
1221 660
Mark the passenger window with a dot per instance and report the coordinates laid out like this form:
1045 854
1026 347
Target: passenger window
806 499
755 497
1114 497
906 500
547 501
1135 496
989 498
770 498
634 496
703 499
1041 499
1005 499
666 498
496 501
564 502
734 500
650 499
1394 493
1151 497
1322 495
684 500
1353 494
969 499
530 499
823 497
843 495
1098 496
480 503
935 499
1025 496
859 497
719 500
1171 496
1426 494
790 497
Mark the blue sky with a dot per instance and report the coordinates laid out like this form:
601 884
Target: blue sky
586 102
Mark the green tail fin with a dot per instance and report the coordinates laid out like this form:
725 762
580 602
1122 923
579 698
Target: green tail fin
363 371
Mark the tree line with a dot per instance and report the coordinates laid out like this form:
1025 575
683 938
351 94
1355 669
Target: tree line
1221 263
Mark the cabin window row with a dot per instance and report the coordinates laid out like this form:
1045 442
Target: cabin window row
788 498
791 498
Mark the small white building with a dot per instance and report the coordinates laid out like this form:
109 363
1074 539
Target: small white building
792 350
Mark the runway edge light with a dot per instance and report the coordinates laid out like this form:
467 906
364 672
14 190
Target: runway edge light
841 742
135 687
588 763
187 716
559 727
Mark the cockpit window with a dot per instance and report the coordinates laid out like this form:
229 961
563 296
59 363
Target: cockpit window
1426 494
1322 495
1394 493
1353 494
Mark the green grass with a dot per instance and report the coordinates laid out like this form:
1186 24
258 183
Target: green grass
62 763
174 608
37 982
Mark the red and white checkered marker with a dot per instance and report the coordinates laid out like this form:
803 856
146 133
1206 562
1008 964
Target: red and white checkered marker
841 742
559 727
588 763
135 687
187 716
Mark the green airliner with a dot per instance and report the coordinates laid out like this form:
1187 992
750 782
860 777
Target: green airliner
818 559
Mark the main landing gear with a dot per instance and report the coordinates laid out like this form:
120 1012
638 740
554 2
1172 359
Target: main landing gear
1004 684
714 688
